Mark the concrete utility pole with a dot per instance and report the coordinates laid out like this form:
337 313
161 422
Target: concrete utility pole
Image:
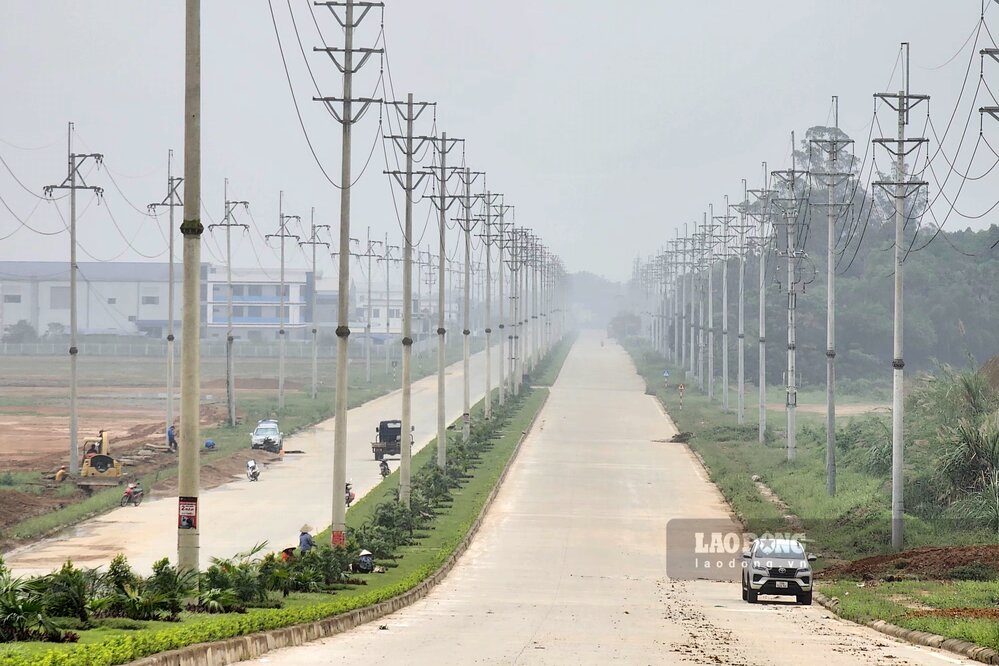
487 239
171 201
703 293
466 226
388 259
725 219
314 242
369 253
684 296
709 240
189 470
502 243
342 109
228 223
900 188
742 228
443 146
74 181
678 314
694 297
830 179
790 205
761 211
514 263
282 235
537 262
408 112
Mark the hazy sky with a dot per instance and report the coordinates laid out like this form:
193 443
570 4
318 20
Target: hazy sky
607 124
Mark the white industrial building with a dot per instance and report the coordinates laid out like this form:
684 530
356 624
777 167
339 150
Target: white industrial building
131 298
126 298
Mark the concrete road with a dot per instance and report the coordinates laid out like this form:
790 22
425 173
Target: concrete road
569 565
237 515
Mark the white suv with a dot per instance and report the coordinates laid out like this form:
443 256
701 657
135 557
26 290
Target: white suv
267 436
777 566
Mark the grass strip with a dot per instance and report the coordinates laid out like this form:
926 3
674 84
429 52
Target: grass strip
947 608
855 523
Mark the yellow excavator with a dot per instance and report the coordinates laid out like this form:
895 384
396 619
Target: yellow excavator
98 467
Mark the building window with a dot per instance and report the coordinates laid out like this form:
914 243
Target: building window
255 290
254 311
131 318
150 300
376 313
395 313
12 298
112 300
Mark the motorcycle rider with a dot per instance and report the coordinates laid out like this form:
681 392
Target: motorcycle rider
133 491
252 471
383 467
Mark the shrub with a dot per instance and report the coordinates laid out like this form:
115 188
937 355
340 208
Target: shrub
66 593
973 571
171 585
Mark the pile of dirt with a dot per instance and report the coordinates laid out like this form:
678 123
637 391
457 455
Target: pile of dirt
991 371
928 563
16 506
959 613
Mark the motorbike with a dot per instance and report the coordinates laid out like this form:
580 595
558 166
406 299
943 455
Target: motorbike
270 445
383 467
349 494
252 471
133 495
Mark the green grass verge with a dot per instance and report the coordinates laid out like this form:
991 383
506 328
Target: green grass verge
855 523
109 645
908 604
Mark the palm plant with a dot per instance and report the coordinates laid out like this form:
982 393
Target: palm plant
67 592
171 584
22 611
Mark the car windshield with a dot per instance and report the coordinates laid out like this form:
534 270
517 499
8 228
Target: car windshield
779 548
267 431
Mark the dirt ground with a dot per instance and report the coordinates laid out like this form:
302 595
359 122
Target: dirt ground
929 562
841 410
126 397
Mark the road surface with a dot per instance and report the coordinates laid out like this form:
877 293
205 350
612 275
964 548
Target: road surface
238 515
569 565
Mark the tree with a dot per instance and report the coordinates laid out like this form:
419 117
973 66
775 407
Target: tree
55 330
22 331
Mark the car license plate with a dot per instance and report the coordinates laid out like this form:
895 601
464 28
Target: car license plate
781 584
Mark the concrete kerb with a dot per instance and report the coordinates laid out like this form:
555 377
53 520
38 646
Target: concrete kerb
251 646
957 646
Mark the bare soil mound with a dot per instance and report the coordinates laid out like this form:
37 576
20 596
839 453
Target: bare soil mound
928 562
16 506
